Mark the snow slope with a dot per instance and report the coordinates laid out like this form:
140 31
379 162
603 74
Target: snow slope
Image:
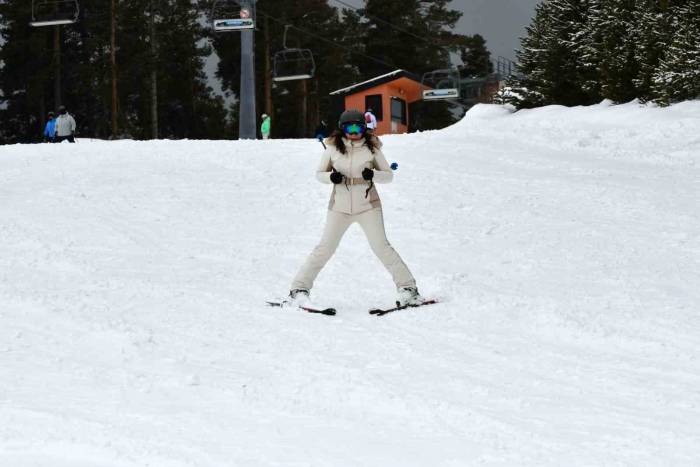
565 244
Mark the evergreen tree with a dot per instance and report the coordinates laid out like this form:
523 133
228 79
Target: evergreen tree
678 75
651 35
25 74
616 49
524 90
476 58
551 60
187 106
410 34
610 36
296 107
417 36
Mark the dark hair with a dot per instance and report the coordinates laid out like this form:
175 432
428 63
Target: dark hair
336 140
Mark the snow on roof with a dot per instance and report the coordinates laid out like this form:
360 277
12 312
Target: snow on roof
378 79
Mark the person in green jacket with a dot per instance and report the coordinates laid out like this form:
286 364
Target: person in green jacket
265 127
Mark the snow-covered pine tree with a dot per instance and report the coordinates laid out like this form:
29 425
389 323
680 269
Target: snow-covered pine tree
524 91
652 36
609 45
549 58
678 75
587 46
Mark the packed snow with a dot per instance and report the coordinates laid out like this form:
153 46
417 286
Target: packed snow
563 244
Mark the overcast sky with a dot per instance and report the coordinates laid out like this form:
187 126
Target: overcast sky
501 22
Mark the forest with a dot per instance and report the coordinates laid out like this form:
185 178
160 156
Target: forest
579 52
136 68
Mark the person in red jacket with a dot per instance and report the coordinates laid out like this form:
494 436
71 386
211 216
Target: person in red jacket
353 162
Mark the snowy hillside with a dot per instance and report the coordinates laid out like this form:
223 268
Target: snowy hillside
564 243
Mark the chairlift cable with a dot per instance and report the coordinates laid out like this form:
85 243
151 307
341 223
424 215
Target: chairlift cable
393 26
311 34
364 13
391 66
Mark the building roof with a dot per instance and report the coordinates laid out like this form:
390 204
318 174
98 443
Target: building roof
379 80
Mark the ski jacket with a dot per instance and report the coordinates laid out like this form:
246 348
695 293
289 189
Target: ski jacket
265 127
351 197
65 125
50 129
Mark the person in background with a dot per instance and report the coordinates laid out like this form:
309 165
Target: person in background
65 126
265 127
50 129
370 121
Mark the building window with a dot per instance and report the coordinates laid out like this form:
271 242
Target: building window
374 102
398 110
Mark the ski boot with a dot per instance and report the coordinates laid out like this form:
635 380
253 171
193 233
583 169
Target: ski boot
298 297
409 296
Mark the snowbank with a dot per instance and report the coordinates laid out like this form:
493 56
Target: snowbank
564 244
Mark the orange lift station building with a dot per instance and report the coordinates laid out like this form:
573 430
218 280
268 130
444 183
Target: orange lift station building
389 96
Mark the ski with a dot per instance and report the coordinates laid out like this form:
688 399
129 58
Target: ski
382 312
320 311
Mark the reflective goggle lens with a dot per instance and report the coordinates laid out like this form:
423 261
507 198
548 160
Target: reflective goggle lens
353 128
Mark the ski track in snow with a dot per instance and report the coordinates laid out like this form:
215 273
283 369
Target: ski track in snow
564 243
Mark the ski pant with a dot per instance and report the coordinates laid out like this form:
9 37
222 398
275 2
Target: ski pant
60 139
337 223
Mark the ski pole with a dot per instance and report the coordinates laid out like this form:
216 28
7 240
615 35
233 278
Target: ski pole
320 140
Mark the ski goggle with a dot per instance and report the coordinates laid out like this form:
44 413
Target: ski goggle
354 128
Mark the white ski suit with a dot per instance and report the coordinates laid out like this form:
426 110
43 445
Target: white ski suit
350 204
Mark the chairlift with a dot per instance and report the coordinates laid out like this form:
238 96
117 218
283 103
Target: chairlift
440 84
231 15
291 64
54 12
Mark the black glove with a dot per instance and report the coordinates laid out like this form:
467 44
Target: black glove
336 177
368 174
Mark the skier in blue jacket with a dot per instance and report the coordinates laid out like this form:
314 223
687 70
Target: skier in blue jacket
50 129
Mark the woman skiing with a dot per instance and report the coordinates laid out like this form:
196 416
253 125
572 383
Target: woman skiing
353 162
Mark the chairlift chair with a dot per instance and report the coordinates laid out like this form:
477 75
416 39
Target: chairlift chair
54 12
440 84
291 64
231 15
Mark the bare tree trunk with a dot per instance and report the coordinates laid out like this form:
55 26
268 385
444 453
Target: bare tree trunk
268 70
42 118
154 77
304 108
317 100
113 58
57 66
